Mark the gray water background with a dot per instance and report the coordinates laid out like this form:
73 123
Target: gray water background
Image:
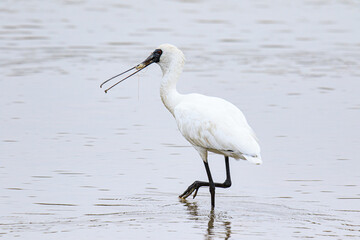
76 163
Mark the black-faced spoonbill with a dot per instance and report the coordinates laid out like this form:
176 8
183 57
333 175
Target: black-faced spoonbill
208 123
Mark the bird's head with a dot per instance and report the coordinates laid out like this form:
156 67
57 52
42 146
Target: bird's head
164 55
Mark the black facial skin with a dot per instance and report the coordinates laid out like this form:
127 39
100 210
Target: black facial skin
154 57
157 54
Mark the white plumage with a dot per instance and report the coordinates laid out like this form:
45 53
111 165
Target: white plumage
208 123
213 124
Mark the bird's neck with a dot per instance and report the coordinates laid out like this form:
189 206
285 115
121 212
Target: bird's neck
169 95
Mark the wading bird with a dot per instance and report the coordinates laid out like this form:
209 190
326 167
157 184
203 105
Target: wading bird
208 123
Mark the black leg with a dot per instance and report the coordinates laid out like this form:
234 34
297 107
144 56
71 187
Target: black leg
197 184
211 185
227 182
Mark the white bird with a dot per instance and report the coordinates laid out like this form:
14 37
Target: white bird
210 124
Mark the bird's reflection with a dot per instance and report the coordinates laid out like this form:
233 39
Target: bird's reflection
193 211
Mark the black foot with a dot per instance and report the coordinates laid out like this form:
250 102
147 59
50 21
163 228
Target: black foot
193 187
197 184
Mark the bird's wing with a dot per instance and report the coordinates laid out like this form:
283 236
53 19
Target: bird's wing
214 123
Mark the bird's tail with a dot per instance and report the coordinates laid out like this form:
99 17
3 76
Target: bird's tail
254 159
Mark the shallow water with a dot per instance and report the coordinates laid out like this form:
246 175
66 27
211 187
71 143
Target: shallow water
76 163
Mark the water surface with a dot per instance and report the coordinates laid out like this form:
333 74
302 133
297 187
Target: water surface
76 163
